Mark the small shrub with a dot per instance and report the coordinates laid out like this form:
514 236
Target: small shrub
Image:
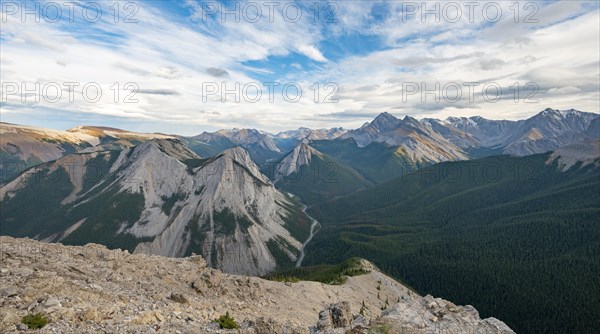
34 321
285 279
227 322
382 329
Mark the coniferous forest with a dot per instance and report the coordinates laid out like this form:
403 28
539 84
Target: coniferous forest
517 238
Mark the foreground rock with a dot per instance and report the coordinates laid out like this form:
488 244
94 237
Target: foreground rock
92 289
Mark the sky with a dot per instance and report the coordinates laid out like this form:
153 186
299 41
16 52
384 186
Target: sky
189 66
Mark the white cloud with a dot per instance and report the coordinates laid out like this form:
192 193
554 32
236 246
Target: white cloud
311 52
164 54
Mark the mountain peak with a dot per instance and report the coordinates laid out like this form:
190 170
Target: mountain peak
238 154
560 114
300 156
385 116
413 123
411 119
171 146
385 122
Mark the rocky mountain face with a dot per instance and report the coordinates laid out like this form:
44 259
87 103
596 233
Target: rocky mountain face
413 139
108 135
91 289
582 153
484 132
310 134
300 156
315 176
25 146
416 142
372 131
422 142
545 131
159 197
431 140
593 131
250 137
260 145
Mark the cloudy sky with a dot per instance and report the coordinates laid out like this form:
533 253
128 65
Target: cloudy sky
174 66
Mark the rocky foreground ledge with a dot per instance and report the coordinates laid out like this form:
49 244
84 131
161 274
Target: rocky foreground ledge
91 289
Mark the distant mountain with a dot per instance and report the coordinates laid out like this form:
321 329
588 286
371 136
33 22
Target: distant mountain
310 134
386 142
582 153
459 138
372 131
376 162
414 139
593 131
420 143
208 144
248 137
453 134
260 145
315 176
484 132
24 146
108 135
288 140
545 131
160 198
399 146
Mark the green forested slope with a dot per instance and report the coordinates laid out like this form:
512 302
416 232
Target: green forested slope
323 178
514 237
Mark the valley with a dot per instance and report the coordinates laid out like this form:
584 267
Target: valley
473 209
313 225
305 167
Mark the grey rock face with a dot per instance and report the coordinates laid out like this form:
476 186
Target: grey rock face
223 205
335 316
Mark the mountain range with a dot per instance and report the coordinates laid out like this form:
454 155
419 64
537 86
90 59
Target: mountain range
159 197
469 208
398 146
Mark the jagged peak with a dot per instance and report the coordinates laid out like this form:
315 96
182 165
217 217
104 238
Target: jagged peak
172 147
237 153
411 119
241 156
413 123
550 113
385 116
385 122
243 131
304 147
208 136
301 155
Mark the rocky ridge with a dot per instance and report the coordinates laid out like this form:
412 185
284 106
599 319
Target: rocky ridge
291 163
91 289
161 198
